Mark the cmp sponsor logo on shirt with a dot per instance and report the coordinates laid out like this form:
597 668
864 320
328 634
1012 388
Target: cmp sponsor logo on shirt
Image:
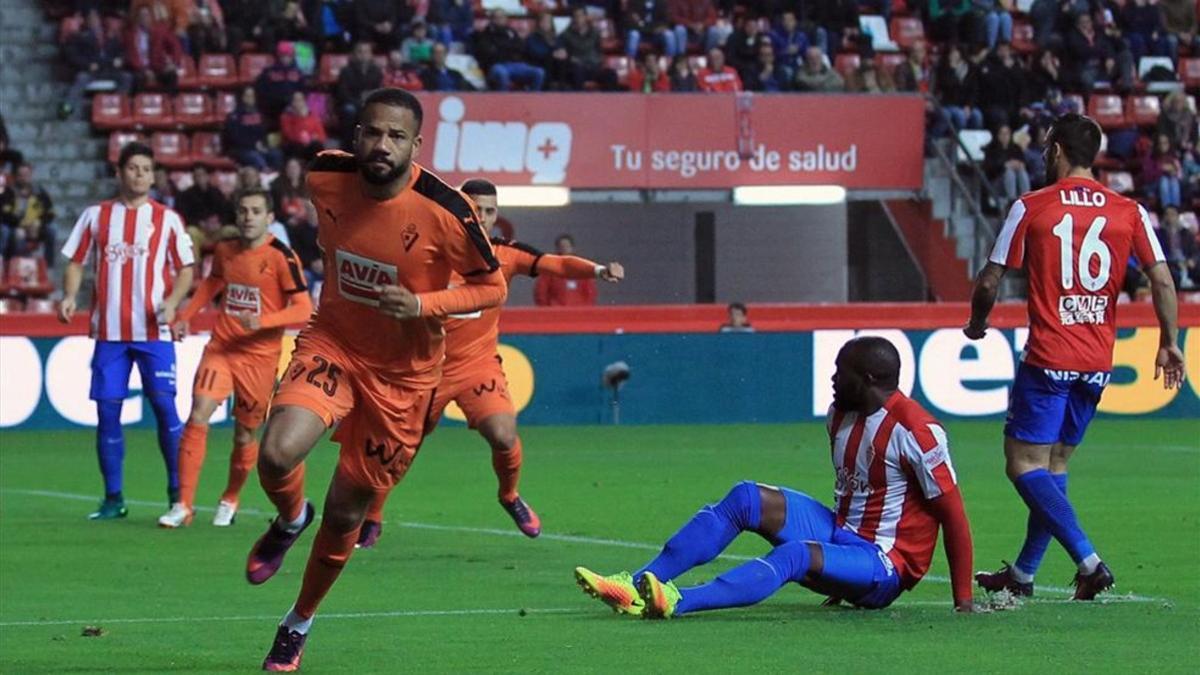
1083 309
358 276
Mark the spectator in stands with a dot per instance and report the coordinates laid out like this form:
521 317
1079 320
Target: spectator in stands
1051 19
500 51
360 76
682 77
163 191
870 79
203 203
553 290
245 21
287 23
790 41
739 319
303 235
1035 156
1142 25
914 74
997 20
452 20
1093 56
1177 121
698 20
438 76
817 75
302 131
546 51
248 177
153 52
1004 165
839 19
957 86
717 76
245 134
1162 172
206 30
94 56
330 23
174 15
953 21
278 83
1178 247
648 77
378 21
1179 20
289 193
741 49
1046 77
1002 87
26 217
648 19
582 44
400 73
768 75
418 47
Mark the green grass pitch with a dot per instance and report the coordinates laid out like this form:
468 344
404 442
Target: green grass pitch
444 590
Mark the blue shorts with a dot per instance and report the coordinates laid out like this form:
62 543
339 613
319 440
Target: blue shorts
1053 406
854 569
113 361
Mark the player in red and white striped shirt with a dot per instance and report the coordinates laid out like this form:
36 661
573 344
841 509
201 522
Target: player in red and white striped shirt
143 269
895 488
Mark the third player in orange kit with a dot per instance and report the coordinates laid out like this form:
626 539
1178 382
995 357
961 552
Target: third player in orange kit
262 290
473 376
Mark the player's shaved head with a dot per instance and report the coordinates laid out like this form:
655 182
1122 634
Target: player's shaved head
868 371
396 98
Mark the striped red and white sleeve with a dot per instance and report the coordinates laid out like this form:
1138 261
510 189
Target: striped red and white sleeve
1145 241
1009 249
179 244
927 450
82 241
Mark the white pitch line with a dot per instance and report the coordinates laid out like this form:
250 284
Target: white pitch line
275 617
574 539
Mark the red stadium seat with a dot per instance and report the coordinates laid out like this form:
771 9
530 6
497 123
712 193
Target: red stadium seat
26 275
250 65
621 66
188 79
1142 110
847 64
1108 111
153 111
193 110
226 103
1076 103
207 150
331 65
905 30
217 71
1189 71
171 149
111 111
1022 38
118 140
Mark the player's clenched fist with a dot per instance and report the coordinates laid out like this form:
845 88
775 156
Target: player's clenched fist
612 272
398 302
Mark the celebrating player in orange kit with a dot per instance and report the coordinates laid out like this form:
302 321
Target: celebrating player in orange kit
391 233
472 376
262 291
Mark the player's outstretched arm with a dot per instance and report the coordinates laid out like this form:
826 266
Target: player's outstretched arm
983 298
574 267
956 537
298 310
1168 364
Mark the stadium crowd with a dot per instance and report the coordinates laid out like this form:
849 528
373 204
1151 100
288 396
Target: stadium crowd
285 86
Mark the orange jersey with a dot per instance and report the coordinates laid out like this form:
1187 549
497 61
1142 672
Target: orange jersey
265 281
473 337
416 239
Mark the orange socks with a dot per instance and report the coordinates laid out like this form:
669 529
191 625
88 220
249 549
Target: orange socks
192 446
240 463
330 552
508 470
285 492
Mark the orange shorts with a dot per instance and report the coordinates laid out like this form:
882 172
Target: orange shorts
249 377
479 389
380 423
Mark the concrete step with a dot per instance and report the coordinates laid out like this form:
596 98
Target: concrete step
33 93
51 132
32 52
41 153
18 13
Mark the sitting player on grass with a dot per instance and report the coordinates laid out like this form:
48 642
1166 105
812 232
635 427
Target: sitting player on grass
895 487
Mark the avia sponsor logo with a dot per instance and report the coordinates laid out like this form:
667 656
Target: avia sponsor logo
358 277
1099 379
1082 196
1083 309
119 252
241 299
542 149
